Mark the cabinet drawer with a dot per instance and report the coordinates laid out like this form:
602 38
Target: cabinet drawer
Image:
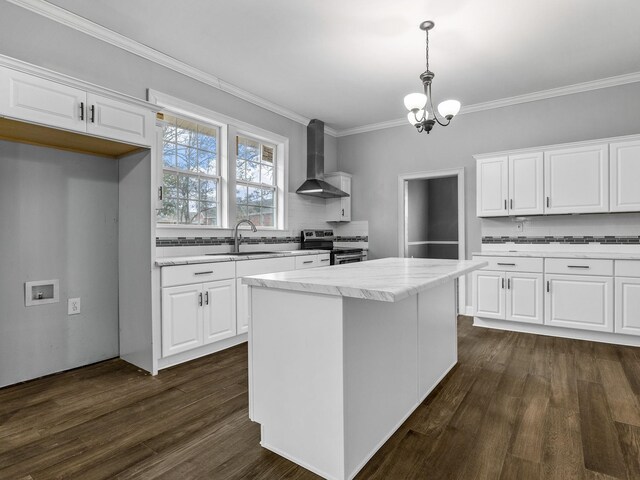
197 273
578 266
306 261
246 268
324 259
627 268
512 264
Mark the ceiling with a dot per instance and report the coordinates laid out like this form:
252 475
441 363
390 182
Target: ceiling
350 63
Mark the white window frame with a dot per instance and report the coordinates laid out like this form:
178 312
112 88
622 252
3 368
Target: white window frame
229 129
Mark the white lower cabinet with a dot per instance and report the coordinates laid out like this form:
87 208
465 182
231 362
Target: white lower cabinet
579 301
219 310
242 306
181 319
514 295
627 302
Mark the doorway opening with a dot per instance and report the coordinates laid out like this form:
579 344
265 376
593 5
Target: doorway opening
431 218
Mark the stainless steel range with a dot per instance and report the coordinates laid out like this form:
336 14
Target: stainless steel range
323 240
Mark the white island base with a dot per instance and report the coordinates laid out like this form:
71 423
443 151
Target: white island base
333 377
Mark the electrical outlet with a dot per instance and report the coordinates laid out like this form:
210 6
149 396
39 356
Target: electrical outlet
520 227
73 306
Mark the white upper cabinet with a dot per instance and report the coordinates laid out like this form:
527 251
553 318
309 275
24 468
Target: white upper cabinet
37 100
339 209
576 180
526 184
510 185
492 184
624 158
114 119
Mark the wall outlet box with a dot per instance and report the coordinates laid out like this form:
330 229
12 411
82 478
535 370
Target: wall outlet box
40 292
73 306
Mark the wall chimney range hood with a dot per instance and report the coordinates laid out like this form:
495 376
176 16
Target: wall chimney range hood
315 185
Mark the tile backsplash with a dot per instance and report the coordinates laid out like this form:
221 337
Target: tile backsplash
595 228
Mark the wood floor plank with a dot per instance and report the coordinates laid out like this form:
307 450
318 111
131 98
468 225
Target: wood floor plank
562 456
515 468
600 444
623 403
629 439
527 441
564 382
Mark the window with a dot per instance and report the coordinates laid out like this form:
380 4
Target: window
256 190
217 170
191 178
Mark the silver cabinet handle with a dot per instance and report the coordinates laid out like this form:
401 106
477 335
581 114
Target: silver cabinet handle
343 212
508 284
206 298
503 283
578 266
507 264
159 193
511 203
93 114
548 286
81 110
548 202
505 203
204 273
200 299
325 260
308 261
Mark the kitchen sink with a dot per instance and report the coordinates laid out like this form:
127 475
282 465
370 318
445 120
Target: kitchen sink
242 254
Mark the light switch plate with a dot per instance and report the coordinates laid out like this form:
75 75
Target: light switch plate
73 306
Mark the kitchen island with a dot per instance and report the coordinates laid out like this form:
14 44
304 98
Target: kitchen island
340 356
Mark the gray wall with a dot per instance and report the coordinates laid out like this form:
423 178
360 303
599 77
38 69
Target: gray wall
35 39
418 211
59 214
377 158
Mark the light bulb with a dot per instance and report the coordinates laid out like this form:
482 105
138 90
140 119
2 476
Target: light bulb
449 108
415 100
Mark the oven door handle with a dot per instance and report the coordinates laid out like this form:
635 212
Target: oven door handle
348 257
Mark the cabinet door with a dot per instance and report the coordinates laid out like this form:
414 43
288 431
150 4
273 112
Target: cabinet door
346 201
627 306
489 294
577 179
242 307
524 297
219 310
118 120
526 184
181 319
492 187
579 301
34 99
624 158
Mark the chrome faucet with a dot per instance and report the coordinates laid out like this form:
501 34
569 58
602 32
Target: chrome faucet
237 239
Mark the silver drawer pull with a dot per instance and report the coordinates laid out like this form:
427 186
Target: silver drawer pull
324 260
308 261
578 266
507 264
204 273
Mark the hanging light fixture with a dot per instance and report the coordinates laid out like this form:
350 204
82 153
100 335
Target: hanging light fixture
421 114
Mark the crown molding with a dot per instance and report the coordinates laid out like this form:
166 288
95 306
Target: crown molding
69 19
81 24
506 102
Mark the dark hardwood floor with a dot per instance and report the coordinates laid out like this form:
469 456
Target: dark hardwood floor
516 407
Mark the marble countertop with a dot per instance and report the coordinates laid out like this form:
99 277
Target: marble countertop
386 279
190 259
550 254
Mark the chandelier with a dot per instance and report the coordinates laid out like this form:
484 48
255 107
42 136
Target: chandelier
420 116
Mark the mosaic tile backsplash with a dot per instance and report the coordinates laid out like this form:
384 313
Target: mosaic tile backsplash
577 240
191 241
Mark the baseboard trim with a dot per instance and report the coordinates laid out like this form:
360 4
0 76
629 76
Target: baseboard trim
546 330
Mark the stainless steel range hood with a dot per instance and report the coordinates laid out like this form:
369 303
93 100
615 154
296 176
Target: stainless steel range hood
315 185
